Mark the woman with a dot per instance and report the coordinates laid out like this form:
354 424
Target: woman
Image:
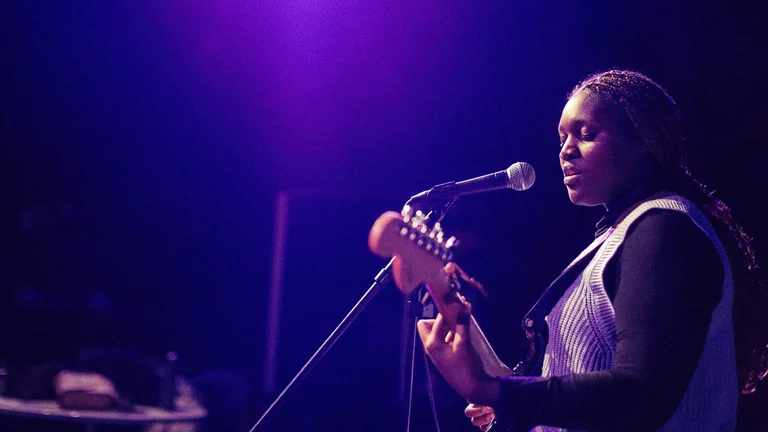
637 334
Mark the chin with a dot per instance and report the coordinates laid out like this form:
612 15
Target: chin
582 200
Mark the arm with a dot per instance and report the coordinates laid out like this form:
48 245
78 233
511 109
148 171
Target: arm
669 279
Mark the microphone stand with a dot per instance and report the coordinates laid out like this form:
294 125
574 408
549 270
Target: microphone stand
417 311
381 279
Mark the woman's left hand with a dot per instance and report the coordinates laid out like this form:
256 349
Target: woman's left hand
480 416
455 358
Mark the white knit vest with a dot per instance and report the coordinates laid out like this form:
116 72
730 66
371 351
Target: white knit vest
582 331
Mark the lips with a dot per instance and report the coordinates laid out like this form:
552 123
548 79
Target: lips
570 170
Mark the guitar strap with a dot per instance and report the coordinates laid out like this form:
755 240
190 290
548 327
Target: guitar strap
534 323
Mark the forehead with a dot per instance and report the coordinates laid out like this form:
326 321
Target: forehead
583 108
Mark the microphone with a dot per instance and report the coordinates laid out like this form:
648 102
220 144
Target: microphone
519 176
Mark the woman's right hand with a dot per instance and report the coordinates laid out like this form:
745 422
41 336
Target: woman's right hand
480 415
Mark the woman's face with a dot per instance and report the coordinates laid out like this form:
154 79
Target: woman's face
599 161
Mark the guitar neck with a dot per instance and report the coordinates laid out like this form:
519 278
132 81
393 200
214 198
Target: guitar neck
451 307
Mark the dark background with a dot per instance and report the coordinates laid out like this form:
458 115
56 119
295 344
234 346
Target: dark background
144 144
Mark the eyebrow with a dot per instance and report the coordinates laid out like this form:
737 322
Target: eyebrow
580 122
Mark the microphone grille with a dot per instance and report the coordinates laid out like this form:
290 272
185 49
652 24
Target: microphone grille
521 176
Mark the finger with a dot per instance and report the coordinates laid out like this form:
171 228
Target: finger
474 410
463 310
440 329
462 332
482 420
467 304
449 337
426 324
424 328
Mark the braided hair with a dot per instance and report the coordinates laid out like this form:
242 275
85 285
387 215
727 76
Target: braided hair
654 120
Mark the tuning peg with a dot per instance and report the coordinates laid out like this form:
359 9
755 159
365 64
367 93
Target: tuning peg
435 230
417 219
439 237
451 242
408 213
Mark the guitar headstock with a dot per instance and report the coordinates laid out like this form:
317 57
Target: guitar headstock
420 251
422 255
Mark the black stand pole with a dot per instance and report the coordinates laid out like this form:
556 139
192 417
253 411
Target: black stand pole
417 312
381 279
411 374
431 392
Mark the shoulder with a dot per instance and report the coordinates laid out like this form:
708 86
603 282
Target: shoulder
670 231
666 217
672 247
663 224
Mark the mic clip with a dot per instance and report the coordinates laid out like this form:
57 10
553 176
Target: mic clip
442 192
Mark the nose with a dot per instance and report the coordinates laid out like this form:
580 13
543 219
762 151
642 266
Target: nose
569 150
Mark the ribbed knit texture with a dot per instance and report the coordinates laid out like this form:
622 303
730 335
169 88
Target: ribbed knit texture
582 332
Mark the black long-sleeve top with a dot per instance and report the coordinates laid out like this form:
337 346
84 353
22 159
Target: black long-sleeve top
664 283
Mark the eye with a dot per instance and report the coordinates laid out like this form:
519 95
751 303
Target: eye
562 140
588 136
